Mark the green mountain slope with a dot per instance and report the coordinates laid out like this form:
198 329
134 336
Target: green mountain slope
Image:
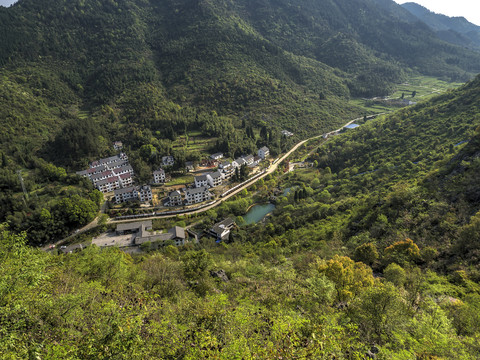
377 255
456 30
411 175
224 56
84 73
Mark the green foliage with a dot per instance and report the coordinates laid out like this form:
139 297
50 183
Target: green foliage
366 253
402 252
77 210
151 78
349 277
395 274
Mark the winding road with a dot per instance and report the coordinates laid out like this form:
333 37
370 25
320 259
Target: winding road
269 171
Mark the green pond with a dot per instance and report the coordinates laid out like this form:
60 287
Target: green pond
258 212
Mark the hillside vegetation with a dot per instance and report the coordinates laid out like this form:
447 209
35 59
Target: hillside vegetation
78 75
456 30
374 251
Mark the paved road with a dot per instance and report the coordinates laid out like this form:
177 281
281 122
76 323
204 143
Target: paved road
269 171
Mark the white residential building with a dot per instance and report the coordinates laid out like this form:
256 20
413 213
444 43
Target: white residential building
145 193
256 161
109 184
109 160
174 199
102 176
159 176
125 194
222 229
126 180
92 171
117 164
124 169
228 171
248 159
216 156
215 179
238 162
202 180
197 195
263 152
224 165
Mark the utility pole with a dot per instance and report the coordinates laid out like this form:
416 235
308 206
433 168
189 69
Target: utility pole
19 172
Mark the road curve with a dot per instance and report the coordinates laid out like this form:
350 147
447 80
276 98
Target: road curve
269 171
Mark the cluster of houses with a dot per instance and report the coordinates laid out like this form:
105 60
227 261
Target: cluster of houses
202 183
159 176
110 173
116 174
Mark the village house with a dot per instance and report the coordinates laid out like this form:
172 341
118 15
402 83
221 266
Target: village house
202 180
159 176
133 227
174 198
117 164
109 160
215 179
145 193
216 156
228 171
125 194
239 162
126 180
255 162
109 174
197 195
102 176
168 160
221 230
117 145
248 159
176 234
108 185
263 152
124 169
92 171
224 165
141 233
287 133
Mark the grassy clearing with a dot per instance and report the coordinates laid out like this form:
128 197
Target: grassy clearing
195 143
370 109
425 87
183 180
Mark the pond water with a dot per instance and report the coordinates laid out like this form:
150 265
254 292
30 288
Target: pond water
258 212
286 191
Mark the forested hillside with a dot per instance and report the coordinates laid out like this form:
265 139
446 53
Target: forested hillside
372 254
456 30
77 75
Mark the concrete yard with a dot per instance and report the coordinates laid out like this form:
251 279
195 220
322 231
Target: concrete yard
112 239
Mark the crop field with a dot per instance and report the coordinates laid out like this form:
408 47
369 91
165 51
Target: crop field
194 143
422 87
